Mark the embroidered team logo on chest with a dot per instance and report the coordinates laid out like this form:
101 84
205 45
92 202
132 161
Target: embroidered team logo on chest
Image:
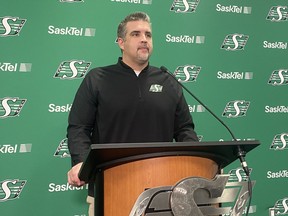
156 88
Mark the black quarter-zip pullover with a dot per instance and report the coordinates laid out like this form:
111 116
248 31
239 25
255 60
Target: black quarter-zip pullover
114 105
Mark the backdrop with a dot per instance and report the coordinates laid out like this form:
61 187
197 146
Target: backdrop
232 54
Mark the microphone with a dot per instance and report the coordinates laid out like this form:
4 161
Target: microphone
240 153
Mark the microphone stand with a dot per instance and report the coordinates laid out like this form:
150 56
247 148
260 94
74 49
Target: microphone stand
240 153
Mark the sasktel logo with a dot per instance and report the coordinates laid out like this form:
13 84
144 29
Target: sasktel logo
73 69
275 45
233 9
188 39
237 108
279 208
71 1
184 6
53 187
53 108
234 42
234 75
277 174
134 1
280 142
278 14
276 109
187 73
279 77
16 148
62 150
14 67
196 108
71 31
11 189
11 26
11 106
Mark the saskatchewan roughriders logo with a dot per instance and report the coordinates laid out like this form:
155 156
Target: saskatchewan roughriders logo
62 150
184 6
278 14
233 42
182 198
73 69
279 77
11 106
11 189
280 142
280 208
11 26
238 175
237 108
187 73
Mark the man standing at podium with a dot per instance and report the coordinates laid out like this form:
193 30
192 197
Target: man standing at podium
128 102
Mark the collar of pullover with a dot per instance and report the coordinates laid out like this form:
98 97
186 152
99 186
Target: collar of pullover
120 62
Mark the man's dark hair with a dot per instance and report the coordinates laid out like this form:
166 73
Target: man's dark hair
121 32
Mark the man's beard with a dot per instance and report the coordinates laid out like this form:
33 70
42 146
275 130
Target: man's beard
143 58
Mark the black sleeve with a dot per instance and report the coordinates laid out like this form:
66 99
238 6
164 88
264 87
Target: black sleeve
184 126
81 120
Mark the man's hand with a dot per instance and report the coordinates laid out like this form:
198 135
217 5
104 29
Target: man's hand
72 175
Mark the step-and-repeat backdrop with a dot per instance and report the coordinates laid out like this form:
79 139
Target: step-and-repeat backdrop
232 54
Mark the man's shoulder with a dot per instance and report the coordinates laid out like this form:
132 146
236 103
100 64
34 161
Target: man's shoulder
153 68
98 71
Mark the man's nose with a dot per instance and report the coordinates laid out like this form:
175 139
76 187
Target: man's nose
143 38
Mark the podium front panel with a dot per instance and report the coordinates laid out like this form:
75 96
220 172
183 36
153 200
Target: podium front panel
124 183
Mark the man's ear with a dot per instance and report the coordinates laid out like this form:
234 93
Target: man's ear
120 42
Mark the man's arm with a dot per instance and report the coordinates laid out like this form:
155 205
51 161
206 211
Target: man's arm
184 125
81 122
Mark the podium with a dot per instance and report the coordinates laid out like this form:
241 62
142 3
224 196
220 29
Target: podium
122 171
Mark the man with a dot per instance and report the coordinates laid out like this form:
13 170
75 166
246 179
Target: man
127 102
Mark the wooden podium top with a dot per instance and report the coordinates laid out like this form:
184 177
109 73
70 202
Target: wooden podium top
103 156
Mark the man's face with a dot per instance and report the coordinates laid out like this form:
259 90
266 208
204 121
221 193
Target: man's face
137 45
